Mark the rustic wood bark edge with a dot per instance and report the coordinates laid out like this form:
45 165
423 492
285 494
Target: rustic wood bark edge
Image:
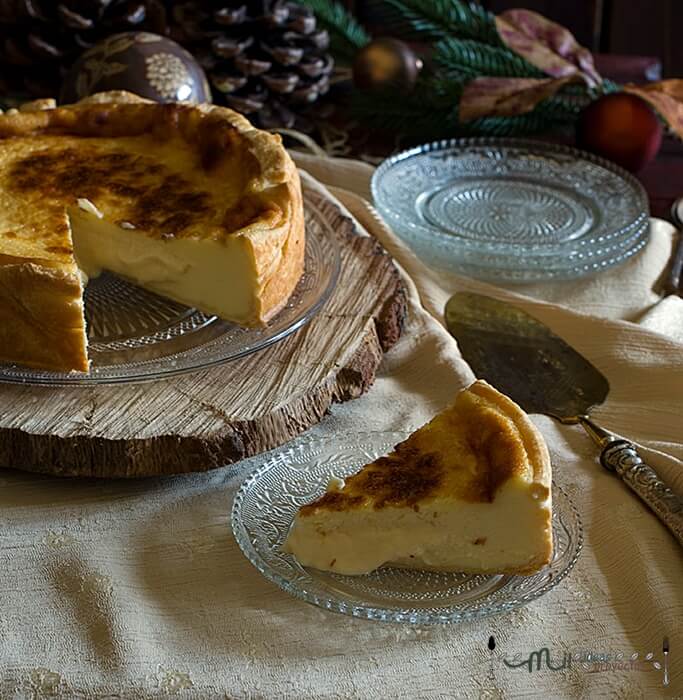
167 453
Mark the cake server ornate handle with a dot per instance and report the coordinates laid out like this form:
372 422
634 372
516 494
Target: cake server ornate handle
621 456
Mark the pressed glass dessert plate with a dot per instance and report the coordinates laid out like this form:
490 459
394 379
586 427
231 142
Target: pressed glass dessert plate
268 500
136 336
512 209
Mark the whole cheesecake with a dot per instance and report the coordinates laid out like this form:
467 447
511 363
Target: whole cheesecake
189 202
470 491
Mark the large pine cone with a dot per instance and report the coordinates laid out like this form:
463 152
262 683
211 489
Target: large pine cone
40 39
264 58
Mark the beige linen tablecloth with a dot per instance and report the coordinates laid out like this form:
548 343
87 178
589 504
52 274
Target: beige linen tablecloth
137 589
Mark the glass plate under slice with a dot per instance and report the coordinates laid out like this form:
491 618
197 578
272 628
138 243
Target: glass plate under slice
267 501
512 209
137 336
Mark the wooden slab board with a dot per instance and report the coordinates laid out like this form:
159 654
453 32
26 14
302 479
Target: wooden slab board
206 419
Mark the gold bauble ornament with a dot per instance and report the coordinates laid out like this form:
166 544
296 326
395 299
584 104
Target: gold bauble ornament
386 65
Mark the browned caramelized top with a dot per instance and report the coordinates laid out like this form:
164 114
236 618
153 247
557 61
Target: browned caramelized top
466 452
168 170
145 192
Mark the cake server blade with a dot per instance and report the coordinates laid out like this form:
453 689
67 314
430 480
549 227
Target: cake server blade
524 359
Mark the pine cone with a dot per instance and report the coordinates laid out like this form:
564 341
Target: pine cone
40 39
264 58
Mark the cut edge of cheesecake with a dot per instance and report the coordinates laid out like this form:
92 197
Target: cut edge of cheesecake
470 491
42 313
262 266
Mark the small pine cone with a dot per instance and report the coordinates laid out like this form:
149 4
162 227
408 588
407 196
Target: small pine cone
265 58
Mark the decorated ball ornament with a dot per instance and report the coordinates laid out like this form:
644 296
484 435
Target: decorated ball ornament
621 127
147 64
386 64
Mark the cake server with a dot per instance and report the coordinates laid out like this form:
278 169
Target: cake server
524 359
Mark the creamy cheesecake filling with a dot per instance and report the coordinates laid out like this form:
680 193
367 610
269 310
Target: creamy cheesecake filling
217 277
510 533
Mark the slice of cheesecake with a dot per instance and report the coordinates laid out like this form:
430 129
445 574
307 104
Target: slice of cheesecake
470 491
190 202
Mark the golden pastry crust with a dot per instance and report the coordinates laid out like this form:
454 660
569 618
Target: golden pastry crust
533 565
467 452
288 259
533 443
41 317
166 170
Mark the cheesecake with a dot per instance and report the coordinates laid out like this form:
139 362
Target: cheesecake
468 492
189 202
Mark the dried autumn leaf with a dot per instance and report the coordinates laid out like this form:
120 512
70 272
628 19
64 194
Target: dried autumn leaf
672 87
670 108
506 97
547 45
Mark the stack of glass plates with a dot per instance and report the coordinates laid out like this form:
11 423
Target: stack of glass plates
512 210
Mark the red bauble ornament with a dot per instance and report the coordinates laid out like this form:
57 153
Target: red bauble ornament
622 128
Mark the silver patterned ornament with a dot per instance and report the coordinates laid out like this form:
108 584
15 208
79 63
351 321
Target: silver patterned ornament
149 65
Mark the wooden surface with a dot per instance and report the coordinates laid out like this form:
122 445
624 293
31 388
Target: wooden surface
214 417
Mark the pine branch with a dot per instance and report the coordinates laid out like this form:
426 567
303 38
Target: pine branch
522 124
346 34
605 88
466 58
426 113
431 113
563 107
432 20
